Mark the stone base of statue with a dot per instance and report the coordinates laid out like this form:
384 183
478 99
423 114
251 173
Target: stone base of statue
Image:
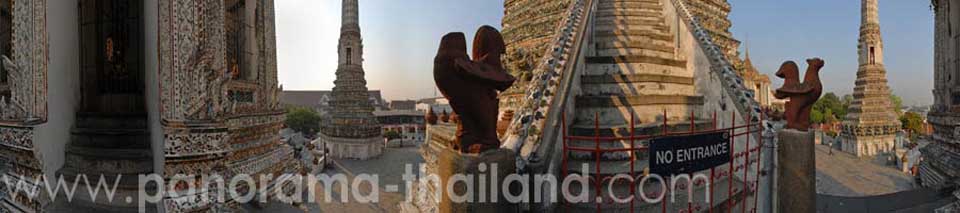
446 175
353 148
796 174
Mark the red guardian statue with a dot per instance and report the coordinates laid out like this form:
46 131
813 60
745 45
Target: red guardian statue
472 86
802 94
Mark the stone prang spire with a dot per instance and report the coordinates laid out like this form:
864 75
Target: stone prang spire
871 124
350 129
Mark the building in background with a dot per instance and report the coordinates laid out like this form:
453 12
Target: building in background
756 81
319 100
871 124
409 123
438 104
403 105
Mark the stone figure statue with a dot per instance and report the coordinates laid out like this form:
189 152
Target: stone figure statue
802 94
472 86
12 107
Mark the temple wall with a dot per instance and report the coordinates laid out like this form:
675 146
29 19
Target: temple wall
63 79
152 78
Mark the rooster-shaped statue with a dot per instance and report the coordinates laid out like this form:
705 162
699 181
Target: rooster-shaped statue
802 95
471 86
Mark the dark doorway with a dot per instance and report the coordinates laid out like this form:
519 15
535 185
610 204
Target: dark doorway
111 56
6 43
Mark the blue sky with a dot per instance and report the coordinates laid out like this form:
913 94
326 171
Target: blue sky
401 37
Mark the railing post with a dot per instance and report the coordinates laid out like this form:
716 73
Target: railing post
746 163
733 159
756 195
633 158
598 182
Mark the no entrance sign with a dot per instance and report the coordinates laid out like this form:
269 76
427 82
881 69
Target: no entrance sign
689 153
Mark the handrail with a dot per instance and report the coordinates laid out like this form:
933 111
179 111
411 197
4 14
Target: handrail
732 83
530 117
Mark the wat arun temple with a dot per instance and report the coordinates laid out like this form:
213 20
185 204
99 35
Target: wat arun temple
350 130
871 125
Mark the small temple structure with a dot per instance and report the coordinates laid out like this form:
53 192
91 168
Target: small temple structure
871 125
756 81
350 130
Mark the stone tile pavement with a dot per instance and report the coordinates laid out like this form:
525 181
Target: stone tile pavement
843 174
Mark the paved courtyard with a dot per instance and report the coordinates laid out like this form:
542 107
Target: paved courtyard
388 168
843 174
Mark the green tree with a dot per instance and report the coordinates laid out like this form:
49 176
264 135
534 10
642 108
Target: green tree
829 117
303 120
816 116
831 103
912 122
897 104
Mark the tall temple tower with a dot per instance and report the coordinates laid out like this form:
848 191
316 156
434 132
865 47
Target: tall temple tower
350 130
871 124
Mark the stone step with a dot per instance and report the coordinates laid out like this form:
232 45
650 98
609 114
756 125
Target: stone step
638 68
642 114
628 13
636 52
665 44
642 44
635 78
640 89
620 21
629 18
644 129
125 198
630 6
112 120
606 145
61 205
127 181
656 34
618 1
640 100
112 161
110 153
637 59
614 26
607 167
110 138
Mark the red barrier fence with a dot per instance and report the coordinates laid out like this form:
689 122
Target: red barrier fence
751 127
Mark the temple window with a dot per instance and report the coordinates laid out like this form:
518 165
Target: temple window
6 42
349 55
955 98
872 55
240 43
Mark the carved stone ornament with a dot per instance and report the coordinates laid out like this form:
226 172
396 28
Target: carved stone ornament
472 86
802 95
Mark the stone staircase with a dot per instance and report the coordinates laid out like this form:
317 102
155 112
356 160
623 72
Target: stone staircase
108 145
636 70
